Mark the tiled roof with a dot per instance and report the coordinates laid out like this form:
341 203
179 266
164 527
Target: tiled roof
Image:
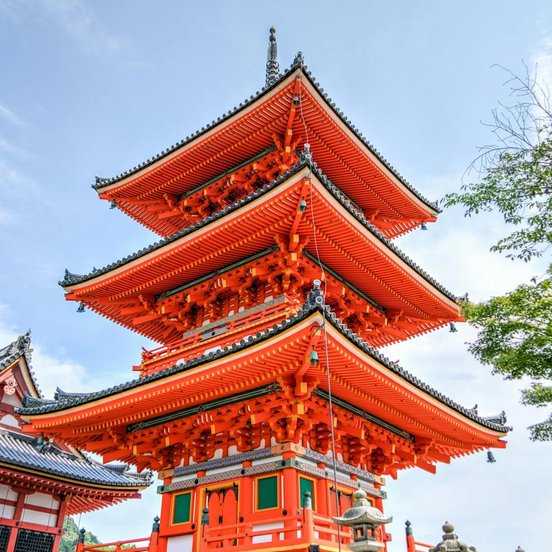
306 161
21 347
298 63
22 451
494 423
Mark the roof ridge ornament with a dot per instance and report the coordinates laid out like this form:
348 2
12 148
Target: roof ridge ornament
298 60
272 66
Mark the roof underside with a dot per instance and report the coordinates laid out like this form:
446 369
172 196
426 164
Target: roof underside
344 239
360 376
340 150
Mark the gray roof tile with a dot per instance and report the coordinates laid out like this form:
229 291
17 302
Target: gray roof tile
22 451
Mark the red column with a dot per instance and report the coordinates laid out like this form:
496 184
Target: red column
17 514
290 501
308 521
246 506
410 543
154 538
322 494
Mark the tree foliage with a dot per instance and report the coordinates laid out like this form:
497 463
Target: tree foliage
515 179
71 534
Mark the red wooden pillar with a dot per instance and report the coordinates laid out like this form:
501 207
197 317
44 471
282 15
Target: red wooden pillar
154 538
322 494
410 543
308 520
64 501
289 503
80 544
13 538
17 514
247 506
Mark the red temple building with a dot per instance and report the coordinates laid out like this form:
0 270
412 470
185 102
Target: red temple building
43 480
271 288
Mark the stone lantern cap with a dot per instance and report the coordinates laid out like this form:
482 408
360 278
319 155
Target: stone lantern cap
450 542
362 512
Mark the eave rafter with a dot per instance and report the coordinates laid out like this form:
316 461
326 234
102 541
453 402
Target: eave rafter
287 214
338 249
281 415
202 201
224 295
114 422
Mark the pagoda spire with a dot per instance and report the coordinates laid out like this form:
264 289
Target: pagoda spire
272 66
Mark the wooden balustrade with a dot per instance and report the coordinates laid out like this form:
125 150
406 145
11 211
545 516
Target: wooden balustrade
144 544
304 528
413 545
117 546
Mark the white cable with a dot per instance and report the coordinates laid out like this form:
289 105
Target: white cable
334 461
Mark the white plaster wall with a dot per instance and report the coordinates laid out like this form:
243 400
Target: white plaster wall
264 527
42 499
40 518
10 420
182 543
11 399
183 478
218 453
6 511
6 493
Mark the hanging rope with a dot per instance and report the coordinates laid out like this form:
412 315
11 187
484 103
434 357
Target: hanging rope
325 333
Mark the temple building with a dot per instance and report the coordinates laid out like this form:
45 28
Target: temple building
274 282
42 480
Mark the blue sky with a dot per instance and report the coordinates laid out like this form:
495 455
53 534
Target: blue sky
92 88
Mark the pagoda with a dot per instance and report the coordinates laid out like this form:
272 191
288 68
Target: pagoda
43 480
274 282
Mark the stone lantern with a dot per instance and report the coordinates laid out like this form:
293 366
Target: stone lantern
364 520
450 542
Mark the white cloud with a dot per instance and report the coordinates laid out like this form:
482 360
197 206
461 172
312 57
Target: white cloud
542 59
470 492
50 369
456 250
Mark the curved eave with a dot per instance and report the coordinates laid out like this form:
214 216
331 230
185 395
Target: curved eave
83 498
402 399
343 153
49 476
346 241
18 452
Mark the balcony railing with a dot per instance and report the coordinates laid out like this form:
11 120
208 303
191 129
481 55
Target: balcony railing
146 544
137 545
306 527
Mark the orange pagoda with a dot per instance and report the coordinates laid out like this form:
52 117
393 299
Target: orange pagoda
275 281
